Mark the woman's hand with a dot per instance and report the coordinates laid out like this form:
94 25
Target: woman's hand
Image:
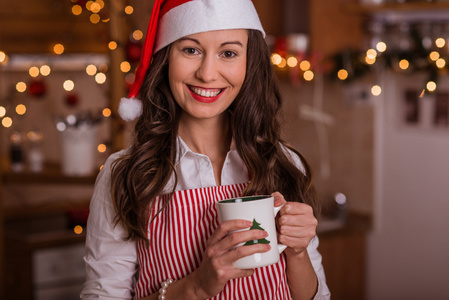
296 224
216 268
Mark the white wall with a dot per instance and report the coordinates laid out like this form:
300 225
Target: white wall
409 247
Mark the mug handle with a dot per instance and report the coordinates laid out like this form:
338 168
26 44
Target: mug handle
281 247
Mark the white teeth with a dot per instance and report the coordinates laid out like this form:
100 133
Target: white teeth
205 93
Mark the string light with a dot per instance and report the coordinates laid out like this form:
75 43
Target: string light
91 70
292 62
308 75
283 63
137 35
434 55
45 70
101 148
342 74
2 111
68 85
440 63
7 122
129 10
107 112
125 67
431 86
276 59
404 64
381 47
371 54
376 90
77 10
58 49
100 78
2 57
112 45
305 65
78 229
34 71
21 109
94 18
440 42
21 87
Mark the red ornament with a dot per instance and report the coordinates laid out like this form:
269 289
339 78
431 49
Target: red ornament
133 51
37 88
72 99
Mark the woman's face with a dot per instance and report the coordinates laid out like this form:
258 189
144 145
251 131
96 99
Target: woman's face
207 70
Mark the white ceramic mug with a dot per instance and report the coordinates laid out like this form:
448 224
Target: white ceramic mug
261 211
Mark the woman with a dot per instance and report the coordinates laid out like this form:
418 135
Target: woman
206 131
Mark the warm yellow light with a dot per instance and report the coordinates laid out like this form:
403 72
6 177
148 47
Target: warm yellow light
371 54
431 86
94 18
95 7
105 20
34 71
101 148
283 63
370 61
305 65
376 90
434 55
101 167
21 109
441 63
404 64
107 112
2 111
100 78
89 4
440 42
77 10
68 85
276 59
101 3
112 45
21 87
308 75
45 70
78 229
2 56
292 62
137 35
381 47
342 74
7 122
58 49
91 70
129 10
125 67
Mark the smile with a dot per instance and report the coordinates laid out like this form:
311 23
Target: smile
205 95
205 92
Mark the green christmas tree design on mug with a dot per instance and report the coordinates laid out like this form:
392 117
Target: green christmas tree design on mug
256 225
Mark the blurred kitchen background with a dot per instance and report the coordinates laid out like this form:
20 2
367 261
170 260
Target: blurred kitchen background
366 97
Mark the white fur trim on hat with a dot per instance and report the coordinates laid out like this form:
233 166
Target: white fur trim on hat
206 15
130 109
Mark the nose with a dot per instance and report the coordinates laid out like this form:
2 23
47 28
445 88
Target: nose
208 70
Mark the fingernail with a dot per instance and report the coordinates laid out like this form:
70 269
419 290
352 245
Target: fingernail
248 223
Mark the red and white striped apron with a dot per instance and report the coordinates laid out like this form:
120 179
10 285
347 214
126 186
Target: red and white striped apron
178 236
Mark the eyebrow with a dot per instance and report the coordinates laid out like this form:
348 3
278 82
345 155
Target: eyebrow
222 45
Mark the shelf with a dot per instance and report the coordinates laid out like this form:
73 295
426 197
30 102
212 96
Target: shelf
51 174
398 7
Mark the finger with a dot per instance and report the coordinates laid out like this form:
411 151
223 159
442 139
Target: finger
297 232
297 220
226 227
296 208
278 199
243 251
240 237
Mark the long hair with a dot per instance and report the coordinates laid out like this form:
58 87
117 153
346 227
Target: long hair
140 175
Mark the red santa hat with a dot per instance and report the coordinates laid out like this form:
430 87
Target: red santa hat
173 19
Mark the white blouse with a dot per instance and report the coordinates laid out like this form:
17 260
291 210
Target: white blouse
111 262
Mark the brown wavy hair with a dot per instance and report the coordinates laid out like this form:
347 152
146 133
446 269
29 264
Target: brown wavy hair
143 171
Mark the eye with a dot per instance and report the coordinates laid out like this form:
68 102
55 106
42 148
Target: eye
229 54
189 50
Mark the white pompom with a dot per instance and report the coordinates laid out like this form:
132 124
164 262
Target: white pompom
130 109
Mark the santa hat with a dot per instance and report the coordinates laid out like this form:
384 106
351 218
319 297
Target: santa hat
173 19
